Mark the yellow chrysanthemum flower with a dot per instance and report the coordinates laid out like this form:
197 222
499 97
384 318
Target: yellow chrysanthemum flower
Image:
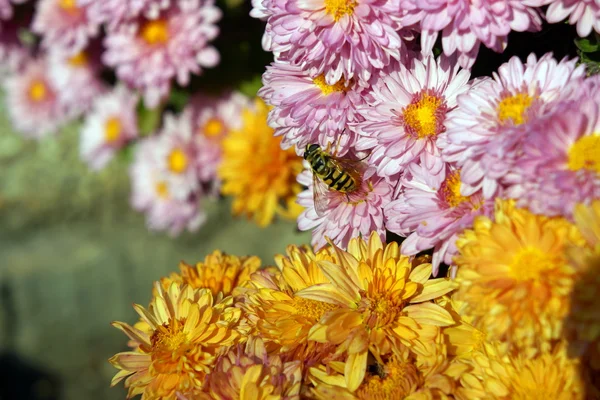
381 303
184 333
250 373
220 273
401 375
492 375
582 326
514 276
278 315
257 172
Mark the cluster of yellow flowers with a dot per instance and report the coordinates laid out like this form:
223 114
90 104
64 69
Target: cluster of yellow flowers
520 321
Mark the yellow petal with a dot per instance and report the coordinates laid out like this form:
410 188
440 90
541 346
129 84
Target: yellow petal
421 273
327 293
355 370
341 278
429 314
435 288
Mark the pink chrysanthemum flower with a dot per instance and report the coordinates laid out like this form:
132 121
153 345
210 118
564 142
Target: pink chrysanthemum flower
484 133
115 12
465 24
308 110
32 100
76 78
212 119
346 216
13 52
158 196
149 53
108 127
431 212
64 24
349 39
560 161
583 13
407 112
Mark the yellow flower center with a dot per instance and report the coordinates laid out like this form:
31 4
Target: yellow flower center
451 190
78 60
38 90
396 380
423 117
214 128
514 107
311 309
68 5
379 309
178 161
530 263
162 190
338 8
585 154
155 32
169 337
321 83
112 130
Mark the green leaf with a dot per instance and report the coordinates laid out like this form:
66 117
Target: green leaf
590 44
148 120
250 88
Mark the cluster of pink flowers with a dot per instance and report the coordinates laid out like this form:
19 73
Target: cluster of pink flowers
358 78
54 59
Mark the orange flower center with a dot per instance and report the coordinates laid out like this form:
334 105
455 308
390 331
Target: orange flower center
394 380
531 263
379 310
155 32
38 91
311 309
112 130
338 8
178 161
162 190
585 154
214 128
451 190
514 108
424 117
321 83
78 60
69 6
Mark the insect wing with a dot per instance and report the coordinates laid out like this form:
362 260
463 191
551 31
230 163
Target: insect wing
355 168
320 195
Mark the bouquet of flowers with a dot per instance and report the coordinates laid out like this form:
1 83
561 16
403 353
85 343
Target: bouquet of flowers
452 188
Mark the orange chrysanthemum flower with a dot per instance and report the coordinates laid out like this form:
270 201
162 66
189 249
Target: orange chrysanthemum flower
220 273
381 303
582 326
278 315
185 332
515 279
259 175
250 373
401 375
493 375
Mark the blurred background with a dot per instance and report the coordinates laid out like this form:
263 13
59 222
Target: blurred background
74 256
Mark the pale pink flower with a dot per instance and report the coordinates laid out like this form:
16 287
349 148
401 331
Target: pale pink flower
431 212
32 100
64 24
465 24
177 153
346 216
340 39
76 78
308 110
153 192
13 52
7 10
484 133
406 113
149 54
115 12
212 119
110 125
583 13
559 163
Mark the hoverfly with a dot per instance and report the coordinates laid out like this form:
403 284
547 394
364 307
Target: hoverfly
331 173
